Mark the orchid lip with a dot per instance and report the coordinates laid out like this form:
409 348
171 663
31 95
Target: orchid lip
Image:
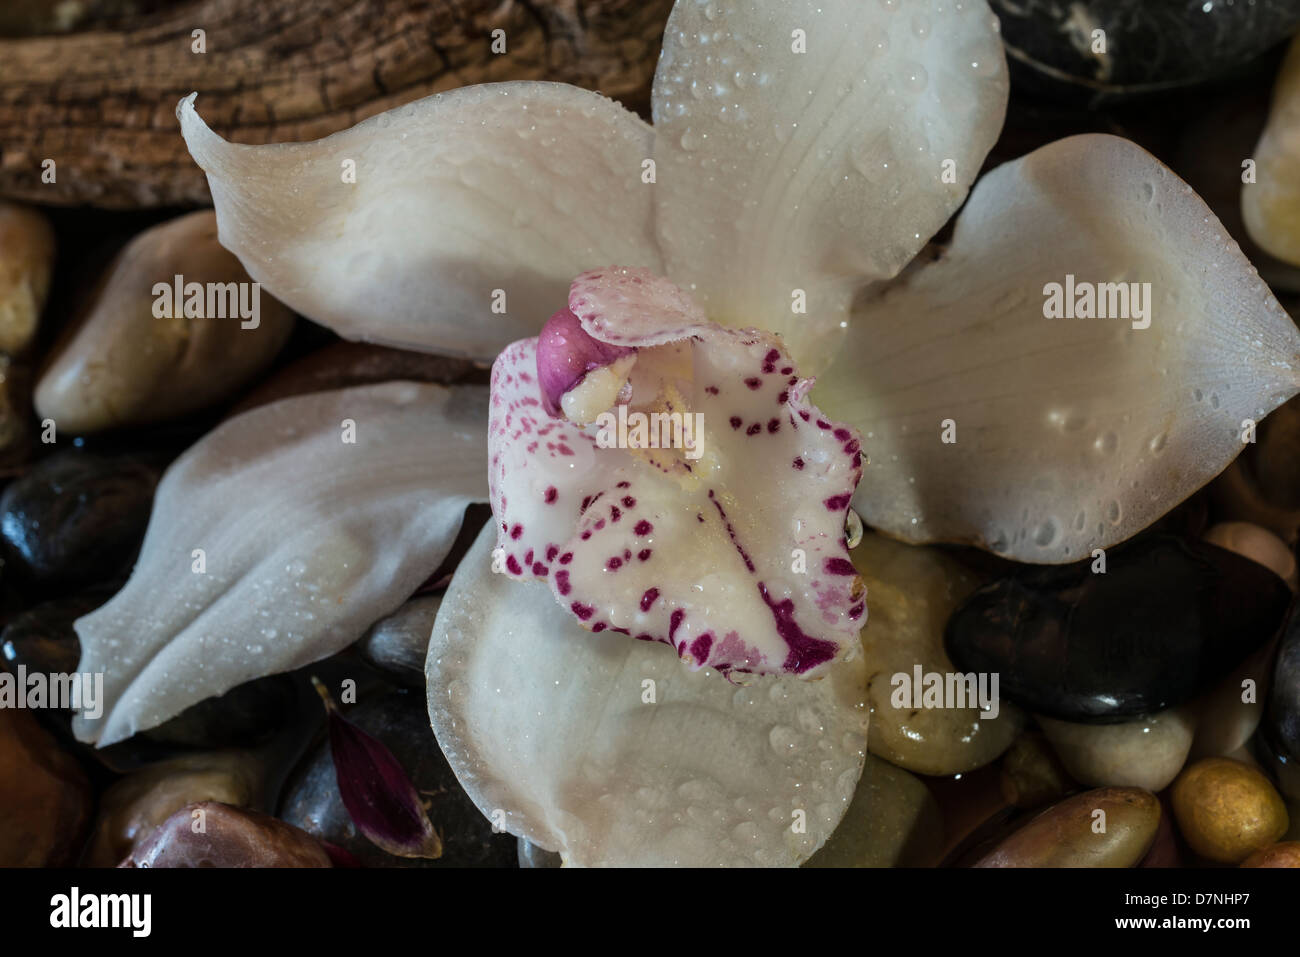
657 537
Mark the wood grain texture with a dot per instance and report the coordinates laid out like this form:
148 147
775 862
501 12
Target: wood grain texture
101 104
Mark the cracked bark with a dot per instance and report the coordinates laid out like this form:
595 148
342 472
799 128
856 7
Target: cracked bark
101 104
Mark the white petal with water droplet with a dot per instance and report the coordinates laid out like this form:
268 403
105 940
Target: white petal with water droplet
1070 433
461 198
306 540
608 751
781 170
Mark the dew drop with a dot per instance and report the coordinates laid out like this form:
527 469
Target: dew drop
1114 512
784 740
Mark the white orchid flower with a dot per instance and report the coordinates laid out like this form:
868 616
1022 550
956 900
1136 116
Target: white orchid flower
802 154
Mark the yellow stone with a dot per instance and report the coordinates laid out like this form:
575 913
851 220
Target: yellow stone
1226 809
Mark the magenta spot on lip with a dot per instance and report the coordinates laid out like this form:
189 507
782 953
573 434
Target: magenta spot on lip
736 422
599 626
629 501
614 514
839 566
783 398
562 582
837 502
754 429
805 414
843 434
648 598
600 524
851 447
551 552
566 558
856 610
586 503
700 647
674 622
565 354
774 425
754 383
823 424
551 495
711 389
643 527
805 651
516 532
787 370
644 554
582 611
623 485
614 564
512 564
540 570
798 464
585 535
528 557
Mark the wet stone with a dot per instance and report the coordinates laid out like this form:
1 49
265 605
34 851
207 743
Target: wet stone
342 365
1052 47
77 517
43 639
1282 854
1226 810
530 855
1284 696
134 806
1146 753
230 837
140 354
26 266
892 821
912 591
1032 774
400 720
45 800
1168 620
1067 833
397 645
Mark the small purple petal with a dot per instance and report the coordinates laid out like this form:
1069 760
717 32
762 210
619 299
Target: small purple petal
565 354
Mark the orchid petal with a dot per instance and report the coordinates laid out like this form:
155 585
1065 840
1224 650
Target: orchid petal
278 539
780 171
611 753
1044 438
733 551
470 212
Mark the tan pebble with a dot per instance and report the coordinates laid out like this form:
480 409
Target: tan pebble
893 821
26 265
1144 753
1285 854
1108 827
912 591
1258 544
123 365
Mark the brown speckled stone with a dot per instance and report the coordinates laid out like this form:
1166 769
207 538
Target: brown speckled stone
1227 810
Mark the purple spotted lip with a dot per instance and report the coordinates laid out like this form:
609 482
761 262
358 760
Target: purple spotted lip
643 541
